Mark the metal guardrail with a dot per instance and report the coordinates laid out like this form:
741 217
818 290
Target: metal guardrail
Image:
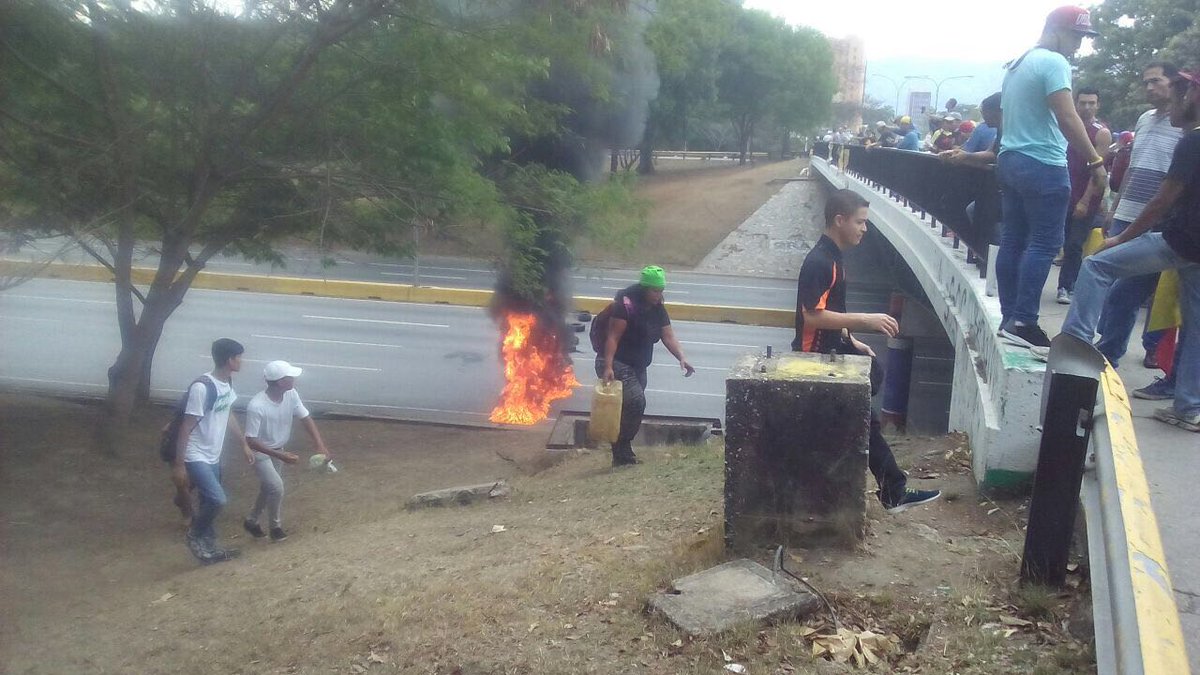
1137 626
931 187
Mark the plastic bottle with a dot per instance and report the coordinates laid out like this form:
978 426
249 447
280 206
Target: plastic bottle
605 423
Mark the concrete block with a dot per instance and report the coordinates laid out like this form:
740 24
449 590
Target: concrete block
720 598
462 495
797 430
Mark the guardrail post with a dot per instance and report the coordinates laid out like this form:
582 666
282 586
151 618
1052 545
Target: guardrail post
1068 401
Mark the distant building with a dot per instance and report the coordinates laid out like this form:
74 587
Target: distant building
850 73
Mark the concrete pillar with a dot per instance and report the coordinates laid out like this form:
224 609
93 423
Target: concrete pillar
797 430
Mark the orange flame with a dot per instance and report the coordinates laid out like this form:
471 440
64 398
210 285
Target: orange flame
535 374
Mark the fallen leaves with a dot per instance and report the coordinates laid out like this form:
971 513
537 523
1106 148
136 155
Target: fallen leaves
862 648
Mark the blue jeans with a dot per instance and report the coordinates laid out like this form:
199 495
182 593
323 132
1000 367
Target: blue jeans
1033 198
1145 255
1121 309
206 478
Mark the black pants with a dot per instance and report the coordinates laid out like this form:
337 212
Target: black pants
892 481
1077 233
633 404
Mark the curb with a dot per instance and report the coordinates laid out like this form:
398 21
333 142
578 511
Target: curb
368 290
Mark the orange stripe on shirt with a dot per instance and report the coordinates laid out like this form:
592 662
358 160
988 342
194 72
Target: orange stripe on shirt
810 334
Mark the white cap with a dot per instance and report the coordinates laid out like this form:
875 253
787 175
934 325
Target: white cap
277 370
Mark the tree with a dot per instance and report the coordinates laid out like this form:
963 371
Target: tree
771 69
1134 33
346 121
687 37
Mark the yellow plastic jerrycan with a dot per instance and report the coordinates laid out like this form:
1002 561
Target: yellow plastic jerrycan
1093 242
605 424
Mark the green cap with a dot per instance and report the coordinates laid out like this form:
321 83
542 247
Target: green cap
653 277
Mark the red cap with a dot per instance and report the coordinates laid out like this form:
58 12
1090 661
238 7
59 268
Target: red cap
1194 78
967 127
1071 18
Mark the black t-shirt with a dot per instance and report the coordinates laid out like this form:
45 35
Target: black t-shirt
644 326
1181 227
822 285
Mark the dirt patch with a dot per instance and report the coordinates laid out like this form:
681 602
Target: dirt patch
691 211
693 205
96 578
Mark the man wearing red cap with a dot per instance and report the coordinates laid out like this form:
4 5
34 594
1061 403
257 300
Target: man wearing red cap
1040 122
1174 214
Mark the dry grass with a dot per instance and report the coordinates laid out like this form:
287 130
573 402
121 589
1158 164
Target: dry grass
364 586
692 206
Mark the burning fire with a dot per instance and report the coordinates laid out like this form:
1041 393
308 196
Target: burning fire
535 372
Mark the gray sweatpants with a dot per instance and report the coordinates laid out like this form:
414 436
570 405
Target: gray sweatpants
270 488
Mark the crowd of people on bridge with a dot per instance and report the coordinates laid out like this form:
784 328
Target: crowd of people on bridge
1065 177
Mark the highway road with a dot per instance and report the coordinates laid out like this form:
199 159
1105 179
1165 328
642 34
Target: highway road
412 361
686 287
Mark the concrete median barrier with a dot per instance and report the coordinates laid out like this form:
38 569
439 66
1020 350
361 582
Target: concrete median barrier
366 290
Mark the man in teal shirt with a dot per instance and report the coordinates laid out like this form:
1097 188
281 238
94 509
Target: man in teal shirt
1039 120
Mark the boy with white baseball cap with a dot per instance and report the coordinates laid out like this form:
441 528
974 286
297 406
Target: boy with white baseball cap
268 429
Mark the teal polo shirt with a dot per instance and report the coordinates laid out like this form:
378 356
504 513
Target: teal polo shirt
1030 128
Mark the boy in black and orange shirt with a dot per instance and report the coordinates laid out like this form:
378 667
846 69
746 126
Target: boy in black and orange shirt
823 326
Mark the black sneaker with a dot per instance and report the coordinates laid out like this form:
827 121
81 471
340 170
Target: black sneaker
220 555
1026 336
277 534
253 528
912 498
197 547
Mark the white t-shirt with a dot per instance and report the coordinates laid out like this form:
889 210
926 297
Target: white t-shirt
208 437
271 422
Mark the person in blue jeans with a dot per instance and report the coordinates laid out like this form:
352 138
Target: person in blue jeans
1175 213
1039 121
198 454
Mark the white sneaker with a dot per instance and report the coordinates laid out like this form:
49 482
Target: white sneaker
1064 297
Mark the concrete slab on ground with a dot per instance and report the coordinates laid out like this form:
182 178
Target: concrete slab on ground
717 599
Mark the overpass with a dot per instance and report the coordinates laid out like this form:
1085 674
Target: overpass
920 206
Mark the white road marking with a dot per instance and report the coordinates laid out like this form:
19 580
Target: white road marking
335 342
48 297
73 384
720 344
400 407
672 284
306 365
423 276
685 393
621 288
430 267
676 366
390 323
29 318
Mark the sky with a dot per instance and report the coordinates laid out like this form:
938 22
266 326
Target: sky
921 38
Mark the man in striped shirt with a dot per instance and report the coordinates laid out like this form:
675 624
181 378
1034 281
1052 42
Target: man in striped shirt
1154 142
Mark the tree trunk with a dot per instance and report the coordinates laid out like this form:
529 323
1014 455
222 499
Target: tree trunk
785 147
614 163
129 375
646 159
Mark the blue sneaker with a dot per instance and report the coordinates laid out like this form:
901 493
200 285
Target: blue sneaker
1158 390
910 499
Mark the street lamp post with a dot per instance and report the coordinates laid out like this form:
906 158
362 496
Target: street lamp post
937 84
897 85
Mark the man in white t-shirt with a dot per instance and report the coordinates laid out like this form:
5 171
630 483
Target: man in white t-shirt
268 429
201 439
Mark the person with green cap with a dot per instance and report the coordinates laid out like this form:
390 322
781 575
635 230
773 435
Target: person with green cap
637 321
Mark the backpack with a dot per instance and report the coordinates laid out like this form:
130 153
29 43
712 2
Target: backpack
169 438
598 333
